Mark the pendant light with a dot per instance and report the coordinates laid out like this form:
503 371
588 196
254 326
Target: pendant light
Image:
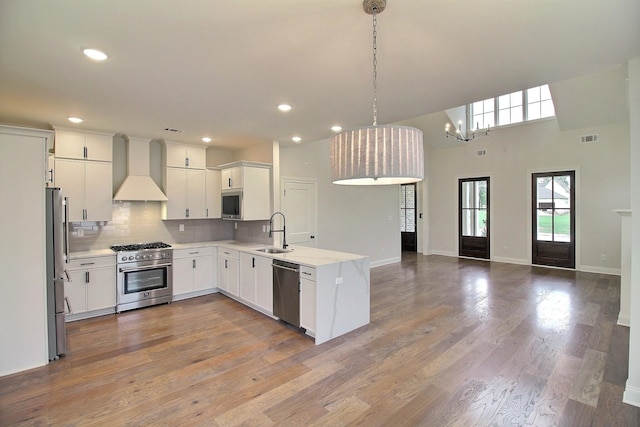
378 154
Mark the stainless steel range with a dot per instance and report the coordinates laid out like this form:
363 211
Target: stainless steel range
144 275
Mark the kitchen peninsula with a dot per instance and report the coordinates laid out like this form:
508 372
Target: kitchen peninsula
334 286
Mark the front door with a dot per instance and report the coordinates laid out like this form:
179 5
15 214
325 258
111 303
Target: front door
553 211
473 217
408 226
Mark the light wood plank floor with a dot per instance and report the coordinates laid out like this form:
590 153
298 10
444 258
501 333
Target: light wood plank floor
451 343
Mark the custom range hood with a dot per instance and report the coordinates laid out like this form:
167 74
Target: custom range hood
138 185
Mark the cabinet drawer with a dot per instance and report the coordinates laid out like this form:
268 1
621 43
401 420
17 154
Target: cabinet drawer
308 273
228 253
95 262
193 252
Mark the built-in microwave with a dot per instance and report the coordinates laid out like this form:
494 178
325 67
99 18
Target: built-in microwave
232 205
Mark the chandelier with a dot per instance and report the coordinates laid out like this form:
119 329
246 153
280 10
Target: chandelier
377 154
465 136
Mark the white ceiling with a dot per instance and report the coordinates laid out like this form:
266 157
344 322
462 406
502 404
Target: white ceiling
219 68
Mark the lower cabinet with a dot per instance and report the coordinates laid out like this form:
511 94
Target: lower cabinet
256 281
228 280
91 290
193 271
308 299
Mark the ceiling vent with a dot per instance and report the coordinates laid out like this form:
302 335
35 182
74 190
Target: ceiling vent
588 139
173 130
479 153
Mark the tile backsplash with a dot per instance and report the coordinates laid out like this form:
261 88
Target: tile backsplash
138 222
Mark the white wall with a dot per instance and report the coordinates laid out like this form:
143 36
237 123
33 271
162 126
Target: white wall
357 219
512 154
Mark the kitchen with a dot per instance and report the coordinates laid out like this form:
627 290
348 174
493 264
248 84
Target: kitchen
381 202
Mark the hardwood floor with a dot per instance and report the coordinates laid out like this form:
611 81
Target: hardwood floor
452 342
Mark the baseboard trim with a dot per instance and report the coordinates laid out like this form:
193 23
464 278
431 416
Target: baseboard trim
511 260
624 320
631 395
382 262
600 270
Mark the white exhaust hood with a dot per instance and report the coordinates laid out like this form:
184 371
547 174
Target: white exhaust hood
138 185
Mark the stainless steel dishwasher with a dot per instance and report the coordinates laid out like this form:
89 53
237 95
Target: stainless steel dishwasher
286 292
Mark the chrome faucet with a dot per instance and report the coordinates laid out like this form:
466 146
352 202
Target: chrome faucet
283 231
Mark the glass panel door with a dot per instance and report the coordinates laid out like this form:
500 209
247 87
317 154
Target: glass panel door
408 228
473 195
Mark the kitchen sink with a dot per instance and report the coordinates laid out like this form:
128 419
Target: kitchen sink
274 250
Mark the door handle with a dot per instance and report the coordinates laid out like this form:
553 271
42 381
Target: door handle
66 300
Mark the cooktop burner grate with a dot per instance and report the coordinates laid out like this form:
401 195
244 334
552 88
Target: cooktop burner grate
139 246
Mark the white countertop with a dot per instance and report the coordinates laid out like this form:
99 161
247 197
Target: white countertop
303 255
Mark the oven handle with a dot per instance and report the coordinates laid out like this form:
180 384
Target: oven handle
146 267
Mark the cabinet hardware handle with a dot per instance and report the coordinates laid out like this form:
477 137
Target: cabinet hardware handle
66 273
194 253
86 277
225 263
66 300
187 212
229 182
85 152
306 273
87 263
194 263
253 262
186 161
51 175
207 213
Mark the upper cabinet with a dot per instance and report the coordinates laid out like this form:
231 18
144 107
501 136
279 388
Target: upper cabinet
84 145
253 180
185 156
212 189
184 179
83 169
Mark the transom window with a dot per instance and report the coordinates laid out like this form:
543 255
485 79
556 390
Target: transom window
521 106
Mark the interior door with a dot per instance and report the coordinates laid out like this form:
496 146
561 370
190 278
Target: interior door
408 217
473 217
553 212
299 208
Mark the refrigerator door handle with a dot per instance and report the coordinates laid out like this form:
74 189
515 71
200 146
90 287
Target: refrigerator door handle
66 300
66 273
66 230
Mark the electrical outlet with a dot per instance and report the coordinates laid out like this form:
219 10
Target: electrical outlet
181 227
339 280
80 232
264 228
603 257
235 225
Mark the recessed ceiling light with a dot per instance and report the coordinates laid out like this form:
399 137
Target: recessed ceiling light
206 139
95 54
336 128
296 139
284 107
75 119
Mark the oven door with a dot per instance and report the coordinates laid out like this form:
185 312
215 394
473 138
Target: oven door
144 281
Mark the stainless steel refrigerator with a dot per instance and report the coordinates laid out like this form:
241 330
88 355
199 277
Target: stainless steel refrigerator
57 256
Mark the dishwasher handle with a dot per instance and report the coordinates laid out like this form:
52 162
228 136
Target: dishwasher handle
284 267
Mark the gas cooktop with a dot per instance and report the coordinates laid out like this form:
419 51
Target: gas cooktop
139 246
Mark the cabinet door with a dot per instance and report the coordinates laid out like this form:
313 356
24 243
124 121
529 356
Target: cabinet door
69 145
75 290
264 283
308 304
203 273
197 157
182 276
101 288
232 276
175 155
98 189
256 194
213 198
223 273
232 178
196 192
99 147
69 176
175 188
248 277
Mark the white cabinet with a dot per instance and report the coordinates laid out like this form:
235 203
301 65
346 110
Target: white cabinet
92 287
232 178
88 187
185 156
308 299
254 180
184 181
228 279
256 281
83 169
95 146
185 191
193 271
212 190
